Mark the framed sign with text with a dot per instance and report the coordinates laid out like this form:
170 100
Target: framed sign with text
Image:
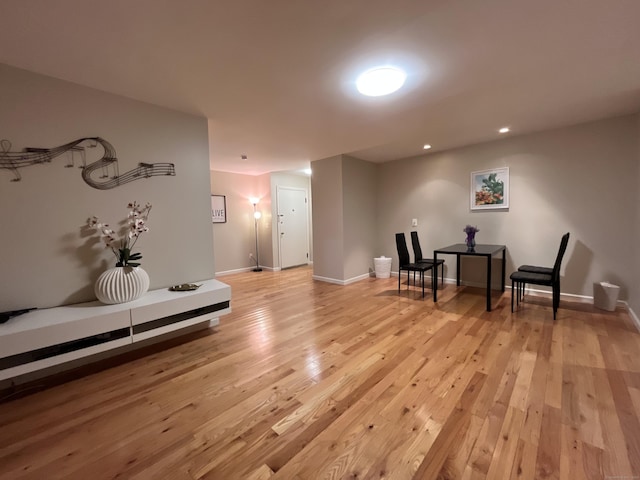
218 209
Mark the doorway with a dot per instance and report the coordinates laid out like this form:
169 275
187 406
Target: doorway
293 226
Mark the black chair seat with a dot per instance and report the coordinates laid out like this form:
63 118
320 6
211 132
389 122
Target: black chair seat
531 277
430 260
536 269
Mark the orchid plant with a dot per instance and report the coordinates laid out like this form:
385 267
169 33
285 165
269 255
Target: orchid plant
136 226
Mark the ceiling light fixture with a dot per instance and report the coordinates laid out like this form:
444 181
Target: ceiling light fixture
379 81
243 157
504 130
427 146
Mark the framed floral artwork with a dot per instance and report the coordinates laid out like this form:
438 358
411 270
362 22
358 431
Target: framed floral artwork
490 189
218 209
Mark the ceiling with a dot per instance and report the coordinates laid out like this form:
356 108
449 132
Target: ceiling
276 78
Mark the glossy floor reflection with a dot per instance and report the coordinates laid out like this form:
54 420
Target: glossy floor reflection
312 380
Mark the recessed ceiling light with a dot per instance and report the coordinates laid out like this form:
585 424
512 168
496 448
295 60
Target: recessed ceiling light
504 130
380 81
427 146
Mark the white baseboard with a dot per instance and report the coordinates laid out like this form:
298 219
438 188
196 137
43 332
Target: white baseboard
246 269
565 296
632 314
230 272
570 296
446 280
341 282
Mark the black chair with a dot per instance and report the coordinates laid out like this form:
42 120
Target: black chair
534 269
404 262
540 276
417 254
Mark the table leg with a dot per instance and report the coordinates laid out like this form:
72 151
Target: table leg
458 270
435 287
504 266
489 283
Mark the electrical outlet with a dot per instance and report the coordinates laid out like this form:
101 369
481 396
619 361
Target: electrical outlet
414 222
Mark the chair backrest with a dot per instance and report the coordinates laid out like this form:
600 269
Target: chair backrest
417 251
563 248
403 251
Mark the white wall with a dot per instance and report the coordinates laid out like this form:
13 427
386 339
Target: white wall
582 179
47 259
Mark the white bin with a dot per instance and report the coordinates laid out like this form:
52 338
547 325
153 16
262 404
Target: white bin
605 295
382 266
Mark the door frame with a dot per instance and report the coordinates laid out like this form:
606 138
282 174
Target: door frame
306 230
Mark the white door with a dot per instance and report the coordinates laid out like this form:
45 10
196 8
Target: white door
293 226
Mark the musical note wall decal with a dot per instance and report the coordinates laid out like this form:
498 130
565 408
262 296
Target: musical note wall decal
102 174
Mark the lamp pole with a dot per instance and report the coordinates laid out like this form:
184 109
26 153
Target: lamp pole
256 216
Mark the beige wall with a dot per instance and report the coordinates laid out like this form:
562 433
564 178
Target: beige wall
634 296
326 185
46 258
344 217
266 222
359 180
582 179
234 240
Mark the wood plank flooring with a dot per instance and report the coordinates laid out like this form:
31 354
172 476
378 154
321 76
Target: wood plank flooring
308 380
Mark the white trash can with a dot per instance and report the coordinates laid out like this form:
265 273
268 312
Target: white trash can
605 295
382 266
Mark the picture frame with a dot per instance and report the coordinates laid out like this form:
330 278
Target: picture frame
218 209
490 189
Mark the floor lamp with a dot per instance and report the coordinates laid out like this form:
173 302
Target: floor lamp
256 217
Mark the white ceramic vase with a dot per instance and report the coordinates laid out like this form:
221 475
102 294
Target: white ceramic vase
121 284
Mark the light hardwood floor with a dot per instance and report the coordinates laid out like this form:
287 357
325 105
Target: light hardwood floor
308 380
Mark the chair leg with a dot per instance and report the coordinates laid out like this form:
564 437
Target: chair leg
441 275
399 275
555 306
512 282
434 278
520 293
422 279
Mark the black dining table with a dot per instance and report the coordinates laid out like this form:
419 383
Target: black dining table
480 250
